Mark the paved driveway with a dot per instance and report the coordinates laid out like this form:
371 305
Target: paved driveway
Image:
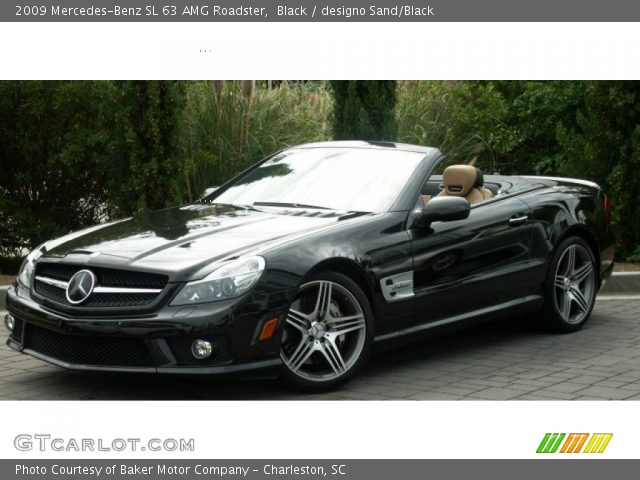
506 360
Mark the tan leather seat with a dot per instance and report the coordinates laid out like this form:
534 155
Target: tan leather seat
464 181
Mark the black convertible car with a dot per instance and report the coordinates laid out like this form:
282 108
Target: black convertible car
307 259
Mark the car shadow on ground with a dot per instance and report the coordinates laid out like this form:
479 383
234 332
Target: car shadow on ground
427 359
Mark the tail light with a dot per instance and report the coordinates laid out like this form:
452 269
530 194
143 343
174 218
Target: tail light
607 210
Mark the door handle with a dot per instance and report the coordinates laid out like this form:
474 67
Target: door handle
518 220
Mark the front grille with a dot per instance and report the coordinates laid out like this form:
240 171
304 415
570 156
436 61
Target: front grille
49 291
88 350
96 300
106 277
16 334
119 299
181 348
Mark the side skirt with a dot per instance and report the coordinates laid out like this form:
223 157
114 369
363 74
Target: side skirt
528 303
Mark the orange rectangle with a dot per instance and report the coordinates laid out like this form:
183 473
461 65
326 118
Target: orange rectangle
568 444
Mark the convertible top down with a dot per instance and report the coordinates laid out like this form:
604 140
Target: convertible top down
305 260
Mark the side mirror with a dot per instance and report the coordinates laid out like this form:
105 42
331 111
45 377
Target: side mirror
207 192
443 209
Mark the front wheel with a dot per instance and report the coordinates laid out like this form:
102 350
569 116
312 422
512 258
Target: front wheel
571 285
328 333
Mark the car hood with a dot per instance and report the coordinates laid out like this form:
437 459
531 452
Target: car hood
187 238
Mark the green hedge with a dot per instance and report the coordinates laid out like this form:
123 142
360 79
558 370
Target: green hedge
74 153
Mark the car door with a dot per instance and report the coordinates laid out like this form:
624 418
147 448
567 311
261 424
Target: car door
464 266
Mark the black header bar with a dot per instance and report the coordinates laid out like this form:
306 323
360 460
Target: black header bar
319 11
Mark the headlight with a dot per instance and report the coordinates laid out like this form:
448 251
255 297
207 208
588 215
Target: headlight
26 270
229 281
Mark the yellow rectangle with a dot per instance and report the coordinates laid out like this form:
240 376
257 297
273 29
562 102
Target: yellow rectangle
607 439
592 440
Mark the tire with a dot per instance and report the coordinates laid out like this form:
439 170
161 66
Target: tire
570 286
328 334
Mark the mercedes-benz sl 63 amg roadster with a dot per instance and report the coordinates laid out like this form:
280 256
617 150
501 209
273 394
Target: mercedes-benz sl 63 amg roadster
306 260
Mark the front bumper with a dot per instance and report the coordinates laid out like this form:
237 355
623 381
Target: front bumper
159 342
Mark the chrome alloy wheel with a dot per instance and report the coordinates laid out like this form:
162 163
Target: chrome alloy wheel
574 284
325 332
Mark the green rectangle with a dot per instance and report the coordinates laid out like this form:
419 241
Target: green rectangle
558 442
550 443
543 443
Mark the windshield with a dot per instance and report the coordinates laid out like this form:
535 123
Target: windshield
344 179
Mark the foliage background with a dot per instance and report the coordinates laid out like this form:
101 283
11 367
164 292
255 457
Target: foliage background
75 153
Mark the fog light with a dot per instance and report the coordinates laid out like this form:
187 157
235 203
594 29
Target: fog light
201 349
9 322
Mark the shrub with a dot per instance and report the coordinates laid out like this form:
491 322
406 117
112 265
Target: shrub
72 153
635 256
364 109
143 166
604 145
585 129
50 150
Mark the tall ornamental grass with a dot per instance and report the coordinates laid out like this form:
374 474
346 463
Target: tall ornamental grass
228 129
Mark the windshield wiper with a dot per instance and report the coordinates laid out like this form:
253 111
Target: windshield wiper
232 205
290 205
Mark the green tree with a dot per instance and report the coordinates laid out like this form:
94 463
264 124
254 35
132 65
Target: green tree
603 144
364 109
505 126
49 156
145 168
535 111
583 129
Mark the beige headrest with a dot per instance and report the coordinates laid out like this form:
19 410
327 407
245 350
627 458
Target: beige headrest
458 180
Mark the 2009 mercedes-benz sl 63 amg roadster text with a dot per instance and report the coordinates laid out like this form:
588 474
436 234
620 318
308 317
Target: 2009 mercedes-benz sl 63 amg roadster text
307 259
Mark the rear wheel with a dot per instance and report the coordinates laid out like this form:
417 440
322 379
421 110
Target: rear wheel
328 333
571 285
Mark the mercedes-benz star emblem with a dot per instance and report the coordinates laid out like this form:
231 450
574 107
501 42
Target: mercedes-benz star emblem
80 286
